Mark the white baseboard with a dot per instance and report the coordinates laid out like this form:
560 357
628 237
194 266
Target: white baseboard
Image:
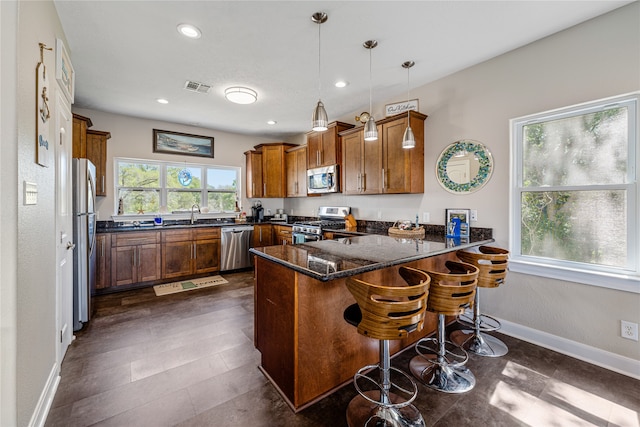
614 362
41 411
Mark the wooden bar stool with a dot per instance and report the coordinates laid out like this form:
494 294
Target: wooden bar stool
492 263
386 313
440 363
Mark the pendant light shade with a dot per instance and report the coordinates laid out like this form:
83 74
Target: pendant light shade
370 128
408 139
319 119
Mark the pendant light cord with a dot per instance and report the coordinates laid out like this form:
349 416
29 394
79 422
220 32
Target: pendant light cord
370 83
319 58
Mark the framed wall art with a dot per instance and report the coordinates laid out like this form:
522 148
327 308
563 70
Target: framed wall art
64 71
168 142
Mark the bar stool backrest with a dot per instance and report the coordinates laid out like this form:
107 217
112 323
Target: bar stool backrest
391 312
492 263
451 293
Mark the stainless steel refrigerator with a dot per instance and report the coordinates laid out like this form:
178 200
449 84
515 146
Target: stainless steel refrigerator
84 237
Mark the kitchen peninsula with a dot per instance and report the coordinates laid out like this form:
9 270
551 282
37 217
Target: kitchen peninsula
308 350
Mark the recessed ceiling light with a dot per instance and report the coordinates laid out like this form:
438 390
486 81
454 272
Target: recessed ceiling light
271 122
162 101
241 95
189 31
341 83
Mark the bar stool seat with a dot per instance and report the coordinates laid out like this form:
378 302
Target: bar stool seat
386 313
492 264
440 363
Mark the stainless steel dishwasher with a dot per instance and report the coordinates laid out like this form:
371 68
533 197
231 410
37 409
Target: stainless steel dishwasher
236 242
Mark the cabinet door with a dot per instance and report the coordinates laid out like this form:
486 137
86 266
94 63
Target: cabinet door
123 265
149 262
296 164
207 256
273 173
313 149
254 185
397 168
80 125
176 259
97 153
262 235
351 162
103 261
371 181
329 148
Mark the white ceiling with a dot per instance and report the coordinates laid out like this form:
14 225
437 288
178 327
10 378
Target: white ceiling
126 54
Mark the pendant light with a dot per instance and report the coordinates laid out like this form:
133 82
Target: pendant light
408 140
319 119
370 128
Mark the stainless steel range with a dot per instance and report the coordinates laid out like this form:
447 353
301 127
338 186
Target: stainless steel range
329 217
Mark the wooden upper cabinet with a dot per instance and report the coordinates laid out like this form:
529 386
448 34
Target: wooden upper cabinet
97 153
92 145
253 174
274 175
296 164
383 166
80 126
361 163
403 168
324 148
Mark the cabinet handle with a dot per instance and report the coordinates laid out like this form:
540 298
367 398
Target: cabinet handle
195 252
383 179
139 258
318 158
363 185
133 257
253 189
358 184
260 232
103 183
102 248
264 189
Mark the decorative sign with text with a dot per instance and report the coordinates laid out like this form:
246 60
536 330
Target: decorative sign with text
400 107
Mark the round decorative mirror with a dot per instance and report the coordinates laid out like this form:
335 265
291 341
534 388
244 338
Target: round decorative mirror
464 166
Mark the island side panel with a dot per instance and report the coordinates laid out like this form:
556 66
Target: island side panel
275 313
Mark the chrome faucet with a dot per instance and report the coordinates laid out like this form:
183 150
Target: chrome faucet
193 217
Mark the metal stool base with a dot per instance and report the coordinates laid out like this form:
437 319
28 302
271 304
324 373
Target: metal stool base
442 377
362 412
480 344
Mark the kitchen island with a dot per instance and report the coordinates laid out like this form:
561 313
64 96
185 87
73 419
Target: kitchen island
308 350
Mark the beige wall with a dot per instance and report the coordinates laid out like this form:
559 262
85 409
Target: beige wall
133 138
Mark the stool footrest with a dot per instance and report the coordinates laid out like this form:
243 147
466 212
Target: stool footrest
402 387
454 355
479 343
486 323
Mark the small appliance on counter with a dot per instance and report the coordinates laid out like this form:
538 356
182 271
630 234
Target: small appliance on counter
257 211
280 216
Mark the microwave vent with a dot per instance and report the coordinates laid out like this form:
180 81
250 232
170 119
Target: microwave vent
197 87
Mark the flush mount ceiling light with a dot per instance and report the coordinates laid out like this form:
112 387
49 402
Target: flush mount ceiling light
190 31
241 95
370 128
408 139
319 119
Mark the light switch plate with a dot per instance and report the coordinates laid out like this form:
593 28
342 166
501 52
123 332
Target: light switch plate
30 193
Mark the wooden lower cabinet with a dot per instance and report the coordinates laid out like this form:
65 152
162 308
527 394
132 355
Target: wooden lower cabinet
135 258
129 260
103 262
262 235
283 235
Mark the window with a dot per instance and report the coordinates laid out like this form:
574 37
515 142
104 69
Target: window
146 186
575 194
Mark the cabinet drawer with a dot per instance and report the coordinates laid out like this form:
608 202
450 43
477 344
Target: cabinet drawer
136 238
206 233
176 236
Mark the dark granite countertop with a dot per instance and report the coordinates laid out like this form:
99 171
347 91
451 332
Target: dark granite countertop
347 256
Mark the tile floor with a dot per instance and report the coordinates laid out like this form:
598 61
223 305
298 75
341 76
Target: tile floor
188 359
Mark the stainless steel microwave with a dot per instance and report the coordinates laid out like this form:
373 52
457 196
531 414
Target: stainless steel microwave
323 180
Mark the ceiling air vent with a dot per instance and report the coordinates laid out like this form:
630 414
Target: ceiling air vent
197 87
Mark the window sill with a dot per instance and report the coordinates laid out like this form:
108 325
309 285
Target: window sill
620 282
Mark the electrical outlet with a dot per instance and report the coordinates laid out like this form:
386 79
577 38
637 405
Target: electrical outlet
629 330
474 215
426 217
379 214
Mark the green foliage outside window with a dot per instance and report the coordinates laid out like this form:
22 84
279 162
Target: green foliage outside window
564 213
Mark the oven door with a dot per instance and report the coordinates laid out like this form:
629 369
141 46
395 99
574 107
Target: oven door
304 237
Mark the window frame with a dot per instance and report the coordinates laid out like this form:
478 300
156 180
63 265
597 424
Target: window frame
627 278
164 190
